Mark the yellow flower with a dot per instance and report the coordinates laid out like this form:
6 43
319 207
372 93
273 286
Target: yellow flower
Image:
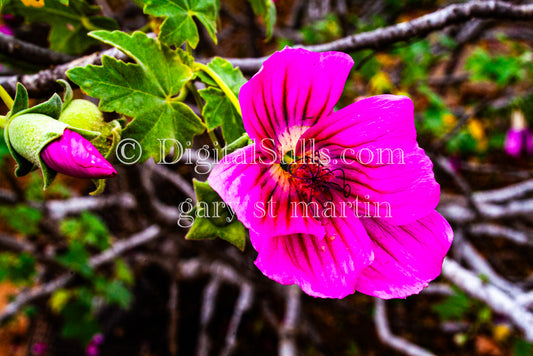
475 128
34 3
449 120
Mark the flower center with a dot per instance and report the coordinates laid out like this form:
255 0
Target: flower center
314 179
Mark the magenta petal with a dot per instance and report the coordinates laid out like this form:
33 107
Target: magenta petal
327 268
294 88
360 138
513 142
73 155
261 195
6 30
406 258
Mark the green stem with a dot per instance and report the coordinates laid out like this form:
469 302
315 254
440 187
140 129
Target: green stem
221 85
182 94
3 121
188 48
146 28
6 98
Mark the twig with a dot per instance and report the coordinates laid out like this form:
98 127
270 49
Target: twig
208 307
173 325
45 81
176 179
37 292
30 53
12 244
395 342
287 331
495 298
244 302
503 194
418 27
459 213
481 266
386 336
494 230
61 208
7 197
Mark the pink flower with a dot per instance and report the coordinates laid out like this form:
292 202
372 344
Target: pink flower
518 139
39 348
324 209
518 142
6 30
74 156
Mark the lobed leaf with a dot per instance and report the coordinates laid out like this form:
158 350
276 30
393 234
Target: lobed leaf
146 91
179 25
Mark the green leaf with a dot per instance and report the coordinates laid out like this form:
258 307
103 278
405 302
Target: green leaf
123 272
22 218
522 348
179 25
145 91
17 268
218 109
267 10
69 24
455 307
59 300
88 228
231 76
76 259
79 322
213 218
114 292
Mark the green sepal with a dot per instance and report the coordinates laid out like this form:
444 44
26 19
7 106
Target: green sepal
100 186
69 94
28 133
21 100
52 108
207 226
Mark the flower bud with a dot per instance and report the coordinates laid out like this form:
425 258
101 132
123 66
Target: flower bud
37 140
85 115
519 138
74 156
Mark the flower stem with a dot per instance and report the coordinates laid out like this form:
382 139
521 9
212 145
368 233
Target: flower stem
3 121
6 98
222 86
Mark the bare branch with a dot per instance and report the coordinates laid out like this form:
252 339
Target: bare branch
11 243
61 208
385 335
418 27
45 81
208 308
176 179
244 302
482 267
495 298
507 193
287 332
494 230
30 53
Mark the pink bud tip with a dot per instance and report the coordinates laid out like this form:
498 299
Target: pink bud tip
74 156
6 30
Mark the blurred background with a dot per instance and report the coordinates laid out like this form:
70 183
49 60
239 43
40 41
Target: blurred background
113 274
